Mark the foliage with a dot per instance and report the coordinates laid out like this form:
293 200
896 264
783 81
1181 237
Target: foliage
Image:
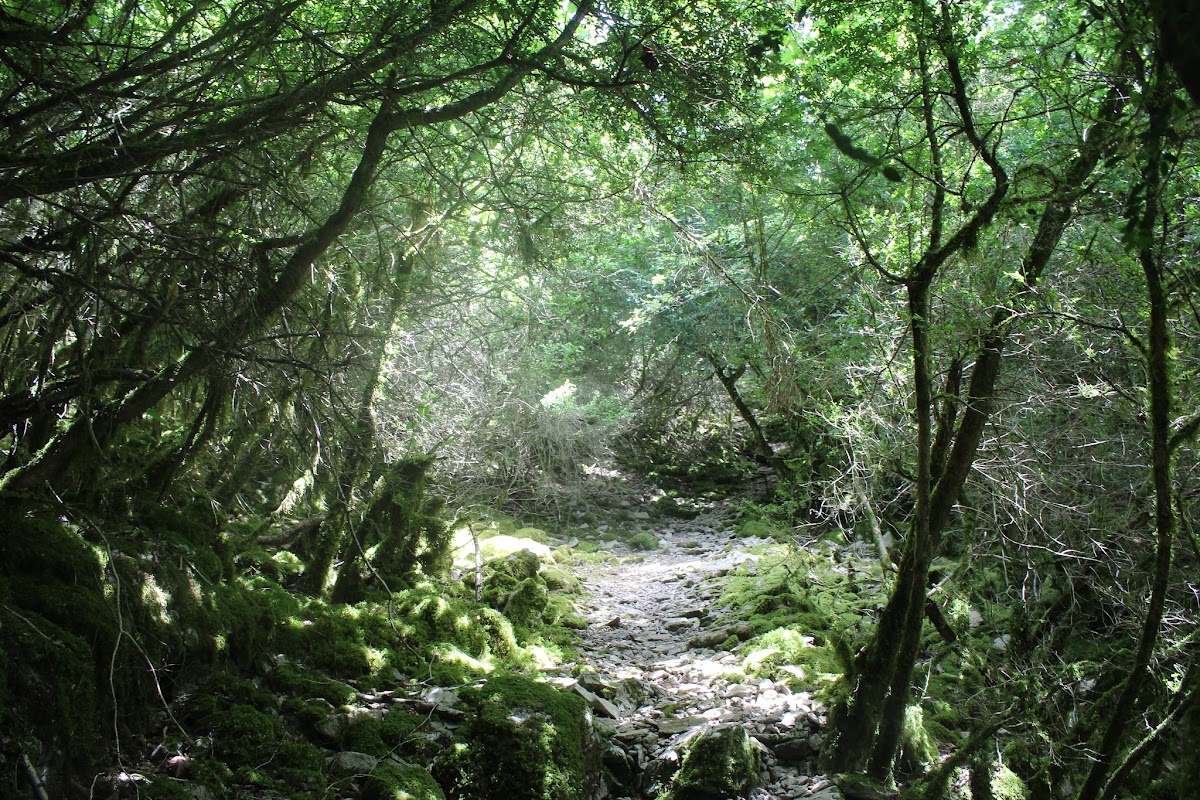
289 293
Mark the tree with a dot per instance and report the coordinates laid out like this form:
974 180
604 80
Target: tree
982 126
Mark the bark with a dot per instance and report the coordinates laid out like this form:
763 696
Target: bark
918 548
85 432
729 378
1159 378
865 732
96 430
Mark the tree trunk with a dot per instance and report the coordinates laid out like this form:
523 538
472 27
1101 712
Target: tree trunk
1159 378
84 432
729 378
864 732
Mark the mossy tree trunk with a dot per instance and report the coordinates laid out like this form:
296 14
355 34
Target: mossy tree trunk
865 729
1160 378
729 378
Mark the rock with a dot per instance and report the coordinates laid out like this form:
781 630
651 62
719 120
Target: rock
628 694
792 751
620 765
333 727
596 703
828 793
441 698
349 762
721 762
673 726
659 772
591 680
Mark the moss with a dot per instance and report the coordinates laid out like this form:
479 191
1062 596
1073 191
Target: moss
303 684
534 534
243 735
917 748
300 756
520 565
527 602
560 610
164 788
643 541
526 740
50 690
790 654
501 639
758 529
1006 785
558 580
365 735
720 763
241 623
328 638
398 727
391 781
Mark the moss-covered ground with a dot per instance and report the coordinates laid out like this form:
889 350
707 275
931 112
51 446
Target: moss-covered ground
180 651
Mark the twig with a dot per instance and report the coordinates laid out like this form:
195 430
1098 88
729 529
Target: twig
35 780
36 630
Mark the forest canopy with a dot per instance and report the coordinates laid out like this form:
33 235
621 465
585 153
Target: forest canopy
318 283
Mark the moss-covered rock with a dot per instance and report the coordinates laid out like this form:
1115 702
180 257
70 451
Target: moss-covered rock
504 545
757 528
520 565
720 763
643 541
365 735
527 602
524 741
558 580
244 736
391 781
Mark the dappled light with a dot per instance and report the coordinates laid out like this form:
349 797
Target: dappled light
599 400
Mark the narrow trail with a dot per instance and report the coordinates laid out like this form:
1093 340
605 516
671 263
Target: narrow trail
651 649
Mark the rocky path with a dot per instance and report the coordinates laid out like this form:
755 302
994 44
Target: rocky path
650 650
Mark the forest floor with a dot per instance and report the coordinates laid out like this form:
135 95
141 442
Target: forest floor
654 624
